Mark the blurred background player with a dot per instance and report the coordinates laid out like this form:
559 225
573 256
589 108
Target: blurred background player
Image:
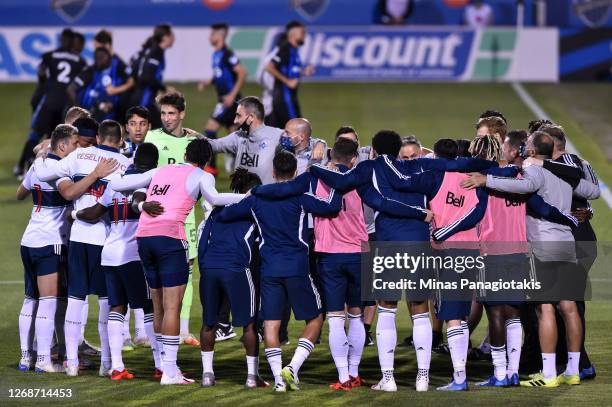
228 77
137 125
478 14
148 71
286 68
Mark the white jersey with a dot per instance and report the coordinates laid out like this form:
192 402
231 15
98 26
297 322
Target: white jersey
120 246
75 167
478 17
47 223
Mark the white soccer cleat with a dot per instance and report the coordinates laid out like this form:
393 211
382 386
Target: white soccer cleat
422 382
385 385
72 371
178 379
49 368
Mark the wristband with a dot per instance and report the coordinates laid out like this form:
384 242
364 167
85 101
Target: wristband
140 205
73 214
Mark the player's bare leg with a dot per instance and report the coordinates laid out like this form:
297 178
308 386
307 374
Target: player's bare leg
369 313
172 300
386 341
186 336
496 316
48 288
573 329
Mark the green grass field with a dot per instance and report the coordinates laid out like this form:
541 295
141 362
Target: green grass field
429 111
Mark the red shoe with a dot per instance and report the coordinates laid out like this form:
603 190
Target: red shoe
157 374
120 375
357 381
346 386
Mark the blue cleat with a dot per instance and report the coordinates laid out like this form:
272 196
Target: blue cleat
452 386
494 382
23 368
514 381
588 373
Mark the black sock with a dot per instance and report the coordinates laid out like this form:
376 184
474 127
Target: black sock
367 327
436 338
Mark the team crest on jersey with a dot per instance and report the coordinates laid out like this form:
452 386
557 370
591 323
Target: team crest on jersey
593 13
263 145
70 10
309 9
107 80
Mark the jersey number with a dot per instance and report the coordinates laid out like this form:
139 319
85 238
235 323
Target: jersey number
64 74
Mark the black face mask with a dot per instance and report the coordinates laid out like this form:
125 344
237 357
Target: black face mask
300 43
245 127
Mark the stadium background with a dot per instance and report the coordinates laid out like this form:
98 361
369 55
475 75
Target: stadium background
576 44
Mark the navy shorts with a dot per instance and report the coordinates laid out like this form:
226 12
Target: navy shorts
506 267
165 260
224 115
126 284
340 275
299 291
85 275
238 285
41 261
455 304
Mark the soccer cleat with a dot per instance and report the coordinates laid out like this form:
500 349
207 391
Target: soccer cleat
254 381
538 380
368 339
72 371
572 380
224 333
346 386
588 373
494 382
25 364
87 349
142 341
208 379
49 368
120 375
422 382
453 386
513 381
385 385
189 339
128 345
178 379
157 374
357 381
280 387
104 370
290 379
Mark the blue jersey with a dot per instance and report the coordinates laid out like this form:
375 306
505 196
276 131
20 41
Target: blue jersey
283 228
226 245
287 61
224 78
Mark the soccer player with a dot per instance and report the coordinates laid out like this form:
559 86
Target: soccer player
137 125
492 125
171 141
43 252
86 239
285 273
230 277
286 68
59 68
162 243
148 71
121 265
228 77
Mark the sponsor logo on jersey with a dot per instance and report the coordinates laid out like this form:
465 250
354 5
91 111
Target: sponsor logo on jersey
249 160
160 189
452 200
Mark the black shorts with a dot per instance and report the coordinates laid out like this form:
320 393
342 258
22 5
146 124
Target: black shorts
285 106
47 115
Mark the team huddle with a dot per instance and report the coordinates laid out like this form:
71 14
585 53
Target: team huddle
113 216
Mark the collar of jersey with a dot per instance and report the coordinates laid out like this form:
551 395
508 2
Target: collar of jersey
108 148
53 156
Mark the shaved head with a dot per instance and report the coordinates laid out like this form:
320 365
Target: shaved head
299 130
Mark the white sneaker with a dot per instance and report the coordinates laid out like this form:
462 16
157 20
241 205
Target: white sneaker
385 385
422 382
280 387
72 371
105 371
49 368
178 379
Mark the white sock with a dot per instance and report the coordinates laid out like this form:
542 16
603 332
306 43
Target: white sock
549 367
26 322
45 323
456 345
422 337
139 323
104 308
514 342
160 348
252 365
356 340
338 345
301 354
72 329
115 339
60 318
207 361
573 361
184 326
148 328
498 354
171 345
275 360
386 338
84 317
466 338
126 325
